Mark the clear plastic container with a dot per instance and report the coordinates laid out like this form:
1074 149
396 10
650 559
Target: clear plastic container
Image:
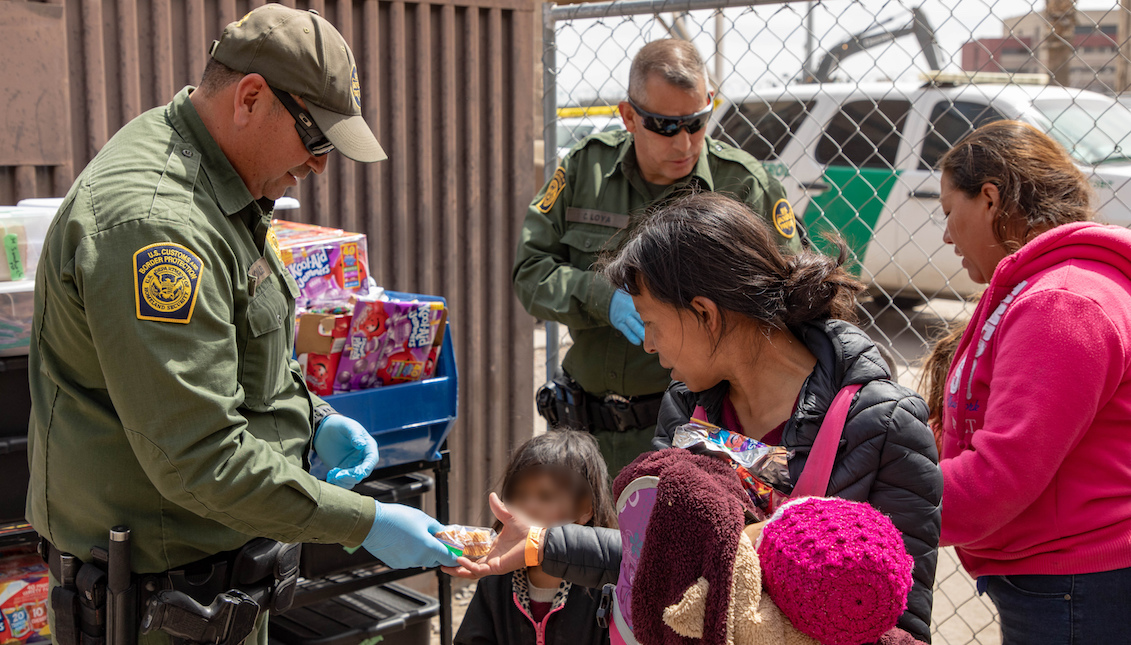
16 310
22 230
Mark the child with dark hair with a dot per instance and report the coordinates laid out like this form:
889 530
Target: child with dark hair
555 478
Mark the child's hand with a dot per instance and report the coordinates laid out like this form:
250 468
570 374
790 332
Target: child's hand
507 553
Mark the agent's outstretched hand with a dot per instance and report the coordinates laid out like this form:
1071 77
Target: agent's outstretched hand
404 537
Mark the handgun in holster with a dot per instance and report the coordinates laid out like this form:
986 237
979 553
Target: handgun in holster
562 403
264 575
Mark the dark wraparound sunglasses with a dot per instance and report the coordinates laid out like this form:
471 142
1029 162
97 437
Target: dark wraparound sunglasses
312 137
669 126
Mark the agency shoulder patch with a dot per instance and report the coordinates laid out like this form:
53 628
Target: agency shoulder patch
784 219
553 189
166 282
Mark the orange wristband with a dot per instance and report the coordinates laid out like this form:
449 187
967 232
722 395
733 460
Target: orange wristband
534 545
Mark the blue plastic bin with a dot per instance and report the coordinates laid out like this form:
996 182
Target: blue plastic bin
410 421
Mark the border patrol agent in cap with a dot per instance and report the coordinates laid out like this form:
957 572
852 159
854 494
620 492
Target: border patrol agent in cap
611 386
164 394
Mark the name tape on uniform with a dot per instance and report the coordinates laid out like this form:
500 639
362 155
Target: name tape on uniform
166 281
600 218
553 189
784 219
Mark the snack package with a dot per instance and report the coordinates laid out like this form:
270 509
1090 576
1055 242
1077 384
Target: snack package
467 541
764 470
330 265
389 342
23 600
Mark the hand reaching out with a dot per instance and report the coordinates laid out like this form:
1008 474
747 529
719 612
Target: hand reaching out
507 553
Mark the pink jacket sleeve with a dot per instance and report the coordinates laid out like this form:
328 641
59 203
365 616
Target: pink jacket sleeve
1057 358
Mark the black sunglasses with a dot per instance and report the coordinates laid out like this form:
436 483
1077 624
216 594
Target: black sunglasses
312 137
669 126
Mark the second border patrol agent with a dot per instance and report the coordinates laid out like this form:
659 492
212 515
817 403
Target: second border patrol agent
164 393
612 386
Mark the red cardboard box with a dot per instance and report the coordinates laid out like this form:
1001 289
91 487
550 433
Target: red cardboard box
23 600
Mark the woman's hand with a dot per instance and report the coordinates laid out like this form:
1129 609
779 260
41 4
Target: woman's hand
507 553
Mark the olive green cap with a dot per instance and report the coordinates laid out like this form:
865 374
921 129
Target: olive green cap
299 52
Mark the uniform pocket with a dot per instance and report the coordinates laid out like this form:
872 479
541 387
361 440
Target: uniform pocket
265 357
586 245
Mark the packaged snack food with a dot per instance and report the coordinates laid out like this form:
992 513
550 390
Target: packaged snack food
330 265
467 541
764 469
23 600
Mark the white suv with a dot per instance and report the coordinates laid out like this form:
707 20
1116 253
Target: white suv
860 159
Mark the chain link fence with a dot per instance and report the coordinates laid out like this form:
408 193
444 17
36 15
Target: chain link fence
850 105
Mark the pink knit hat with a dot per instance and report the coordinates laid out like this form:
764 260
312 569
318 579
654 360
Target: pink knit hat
837 569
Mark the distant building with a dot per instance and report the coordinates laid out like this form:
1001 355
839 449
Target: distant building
1021 49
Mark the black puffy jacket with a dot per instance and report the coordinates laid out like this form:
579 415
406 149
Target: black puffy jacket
887 457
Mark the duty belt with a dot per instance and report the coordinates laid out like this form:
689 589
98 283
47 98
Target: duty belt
563 403
214 601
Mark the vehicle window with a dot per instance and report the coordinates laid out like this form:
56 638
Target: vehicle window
764 129
1094 131
569 134
949 123
864 134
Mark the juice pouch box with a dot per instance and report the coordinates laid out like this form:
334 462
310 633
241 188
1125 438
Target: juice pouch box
389 342
407 350
23 600
319 342
330 265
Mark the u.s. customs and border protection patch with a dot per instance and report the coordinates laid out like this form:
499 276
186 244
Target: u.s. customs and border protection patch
166 282
784 219
555 188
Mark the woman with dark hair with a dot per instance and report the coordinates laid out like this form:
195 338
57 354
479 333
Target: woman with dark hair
759 339
1036 441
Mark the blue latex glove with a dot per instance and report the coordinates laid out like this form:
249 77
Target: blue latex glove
350 452
403 538
622 313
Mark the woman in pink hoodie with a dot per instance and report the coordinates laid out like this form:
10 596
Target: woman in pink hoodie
1036 429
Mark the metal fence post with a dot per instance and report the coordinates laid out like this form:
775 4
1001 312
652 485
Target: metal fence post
550 148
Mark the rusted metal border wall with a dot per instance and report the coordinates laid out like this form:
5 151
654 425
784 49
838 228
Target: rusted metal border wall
449 84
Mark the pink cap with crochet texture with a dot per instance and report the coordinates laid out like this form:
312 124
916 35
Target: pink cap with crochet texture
837 569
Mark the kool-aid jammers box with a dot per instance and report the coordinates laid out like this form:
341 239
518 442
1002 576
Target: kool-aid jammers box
390 342
23 600
330 265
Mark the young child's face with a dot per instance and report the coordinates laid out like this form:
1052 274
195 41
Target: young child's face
542 498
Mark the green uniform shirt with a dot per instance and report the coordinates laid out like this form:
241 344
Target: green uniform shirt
164 396
585 209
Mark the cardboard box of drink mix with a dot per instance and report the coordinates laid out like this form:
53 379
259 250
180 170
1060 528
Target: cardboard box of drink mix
390 342
23 600
330 265
319 342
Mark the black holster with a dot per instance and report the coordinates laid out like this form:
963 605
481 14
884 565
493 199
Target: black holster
565 405
215 601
